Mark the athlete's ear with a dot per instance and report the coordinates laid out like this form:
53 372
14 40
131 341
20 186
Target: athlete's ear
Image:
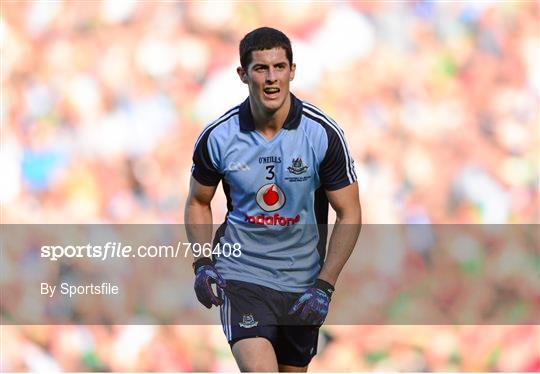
242 74
293 70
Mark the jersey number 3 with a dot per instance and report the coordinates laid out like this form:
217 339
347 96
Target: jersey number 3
270 170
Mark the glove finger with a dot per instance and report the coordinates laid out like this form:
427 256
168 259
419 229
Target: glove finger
306 312
216 300
212 297
315 320
222 283
299 303
294 308
204 292
203 298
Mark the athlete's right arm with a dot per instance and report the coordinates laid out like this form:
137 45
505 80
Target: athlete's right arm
198 213
198 220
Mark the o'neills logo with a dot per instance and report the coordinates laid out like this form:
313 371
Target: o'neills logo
275 220
270 197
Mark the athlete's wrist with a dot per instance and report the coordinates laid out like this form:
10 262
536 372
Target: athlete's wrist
324 286
201 261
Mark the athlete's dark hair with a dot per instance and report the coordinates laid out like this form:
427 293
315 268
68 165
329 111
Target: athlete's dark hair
263 38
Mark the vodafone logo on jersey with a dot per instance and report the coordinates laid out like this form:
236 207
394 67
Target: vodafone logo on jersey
270 197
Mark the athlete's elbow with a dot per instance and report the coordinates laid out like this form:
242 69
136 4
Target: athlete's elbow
195 209
349 218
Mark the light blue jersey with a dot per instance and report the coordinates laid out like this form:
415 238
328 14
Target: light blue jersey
277 207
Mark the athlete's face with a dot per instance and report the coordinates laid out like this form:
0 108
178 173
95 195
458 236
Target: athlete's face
268 76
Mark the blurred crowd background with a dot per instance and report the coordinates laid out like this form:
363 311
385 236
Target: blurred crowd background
102 101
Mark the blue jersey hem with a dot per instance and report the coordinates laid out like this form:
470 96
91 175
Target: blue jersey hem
260 282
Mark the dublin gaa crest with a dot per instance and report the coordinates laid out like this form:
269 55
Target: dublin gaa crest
248 321
297 166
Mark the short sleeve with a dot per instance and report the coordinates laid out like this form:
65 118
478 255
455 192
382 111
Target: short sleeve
337 168
205 159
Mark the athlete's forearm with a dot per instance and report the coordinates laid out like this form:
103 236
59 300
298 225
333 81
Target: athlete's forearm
341 245
198 221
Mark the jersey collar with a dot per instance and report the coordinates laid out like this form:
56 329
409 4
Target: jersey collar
291 122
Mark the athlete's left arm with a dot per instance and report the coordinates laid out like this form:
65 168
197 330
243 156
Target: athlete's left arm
346 203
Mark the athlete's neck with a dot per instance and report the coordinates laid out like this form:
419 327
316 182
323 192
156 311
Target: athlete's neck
269 123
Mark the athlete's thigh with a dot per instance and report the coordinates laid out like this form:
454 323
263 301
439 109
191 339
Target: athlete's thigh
296 345
255 355
247 312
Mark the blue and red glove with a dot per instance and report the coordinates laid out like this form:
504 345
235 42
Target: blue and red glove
205 275
313 304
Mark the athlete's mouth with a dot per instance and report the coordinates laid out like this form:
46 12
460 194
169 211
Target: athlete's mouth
271 90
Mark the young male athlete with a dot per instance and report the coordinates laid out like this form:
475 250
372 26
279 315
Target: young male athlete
281 161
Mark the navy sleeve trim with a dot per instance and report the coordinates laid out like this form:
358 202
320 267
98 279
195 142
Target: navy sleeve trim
337 168
337 186
206 179
203 169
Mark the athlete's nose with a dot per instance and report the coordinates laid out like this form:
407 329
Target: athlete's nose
271 75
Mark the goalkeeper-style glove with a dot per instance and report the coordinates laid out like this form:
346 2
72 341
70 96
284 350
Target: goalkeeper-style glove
205 275
313 304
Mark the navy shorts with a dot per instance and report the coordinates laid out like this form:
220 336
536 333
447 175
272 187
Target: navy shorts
250 310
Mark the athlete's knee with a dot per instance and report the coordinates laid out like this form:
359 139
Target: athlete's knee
292 369
257 367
